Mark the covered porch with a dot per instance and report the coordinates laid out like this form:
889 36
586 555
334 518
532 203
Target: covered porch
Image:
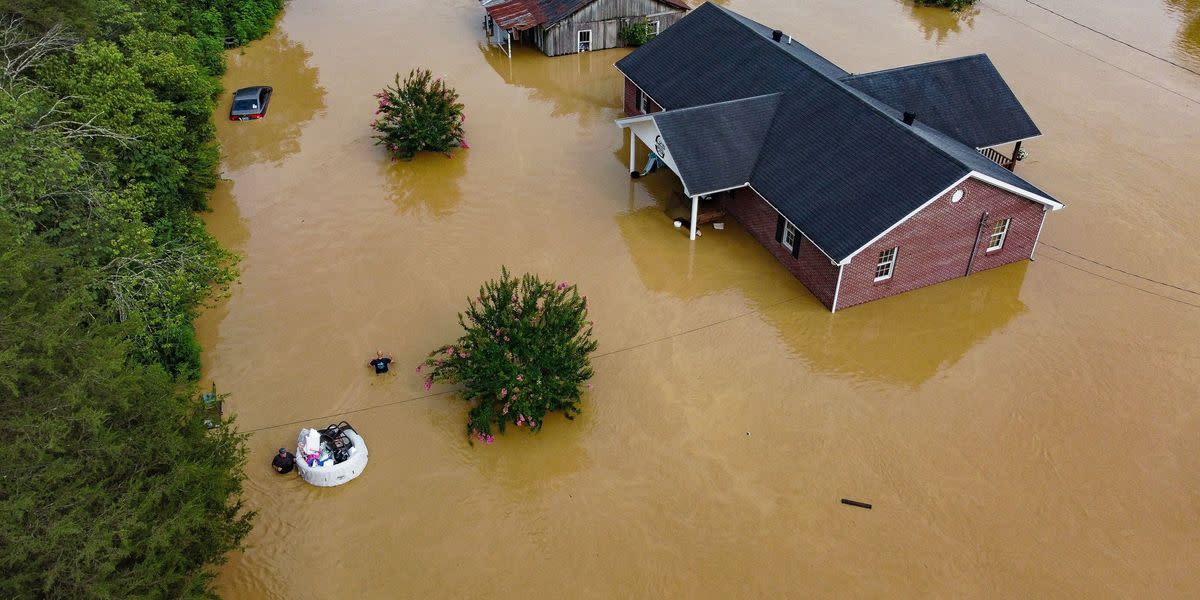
703 203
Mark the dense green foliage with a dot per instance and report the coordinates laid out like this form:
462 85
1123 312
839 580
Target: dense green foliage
955 5
113 487
635 33
524 353
421 113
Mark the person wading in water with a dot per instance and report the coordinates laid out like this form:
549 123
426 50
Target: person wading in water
284 462
381 362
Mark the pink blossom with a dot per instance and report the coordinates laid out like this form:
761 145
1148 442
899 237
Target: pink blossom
504 411
506 338
503 392
514 297
418 368
450 351
490 439
520 378
428 384
532 423
462 354
464 144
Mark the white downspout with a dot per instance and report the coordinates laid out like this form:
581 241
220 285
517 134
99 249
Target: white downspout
837 290
1045 209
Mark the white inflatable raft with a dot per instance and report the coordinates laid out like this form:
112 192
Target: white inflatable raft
330 456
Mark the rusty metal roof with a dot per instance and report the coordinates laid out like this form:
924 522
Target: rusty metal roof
527 14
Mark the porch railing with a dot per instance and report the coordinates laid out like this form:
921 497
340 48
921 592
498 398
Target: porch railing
1000 159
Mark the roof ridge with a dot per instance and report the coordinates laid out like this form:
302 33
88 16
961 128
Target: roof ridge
846 89
931 63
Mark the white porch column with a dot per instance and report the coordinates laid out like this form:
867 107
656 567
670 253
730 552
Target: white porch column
632 150
695 214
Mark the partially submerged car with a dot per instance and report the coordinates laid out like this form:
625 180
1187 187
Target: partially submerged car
250 103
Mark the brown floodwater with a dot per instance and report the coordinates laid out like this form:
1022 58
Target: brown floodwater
1031 432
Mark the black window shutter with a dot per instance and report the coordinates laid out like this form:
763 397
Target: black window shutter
779 229
796 245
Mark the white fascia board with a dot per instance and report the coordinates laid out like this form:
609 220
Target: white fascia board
736 187
1054 205
780 213
977 175
906 217
1032 137
628 121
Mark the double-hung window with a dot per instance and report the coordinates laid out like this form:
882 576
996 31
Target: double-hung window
655 28
790 235
999 232
585 40
886 265
643 102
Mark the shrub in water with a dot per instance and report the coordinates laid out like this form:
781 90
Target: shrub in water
417 114
524 354
954 5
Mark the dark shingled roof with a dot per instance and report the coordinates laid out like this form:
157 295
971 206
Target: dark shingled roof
527 14
716 146
838 163
963 97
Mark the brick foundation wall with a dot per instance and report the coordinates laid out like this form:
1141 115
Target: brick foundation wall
935 244
631 94
811 267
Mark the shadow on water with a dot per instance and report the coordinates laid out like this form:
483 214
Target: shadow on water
906 339
585 85
426 185
297 98
937 24
1187 41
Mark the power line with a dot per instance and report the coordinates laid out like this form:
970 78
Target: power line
1118 282
1086 53
445 392
1119 41
1119 270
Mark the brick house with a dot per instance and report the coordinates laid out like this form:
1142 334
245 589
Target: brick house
558 27
862 186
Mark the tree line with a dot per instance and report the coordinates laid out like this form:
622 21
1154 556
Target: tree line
111 485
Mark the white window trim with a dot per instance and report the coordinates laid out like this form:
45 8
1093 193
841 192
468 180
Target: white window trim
657 28
891 266
579 40
1003 236
643 103
787 226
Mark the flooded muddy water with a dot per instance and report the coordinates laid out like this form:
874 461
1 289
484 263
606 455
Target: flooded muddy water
1032 431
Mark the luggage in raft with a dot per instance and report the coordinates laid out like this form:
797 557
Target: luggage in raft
330 456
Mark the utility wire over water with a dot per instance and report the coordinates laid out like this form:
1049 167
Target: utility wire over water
1089 54
747 314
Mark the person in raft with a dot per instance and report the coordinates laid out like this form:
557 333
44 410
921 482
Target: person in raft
284 462
381 362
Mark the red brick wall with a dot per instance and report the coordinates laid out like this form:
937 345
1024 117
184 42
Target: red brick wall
812 267
631 108
935 244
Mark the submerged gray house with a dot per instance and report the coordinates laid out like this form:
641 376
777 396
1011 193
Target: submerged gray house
559 27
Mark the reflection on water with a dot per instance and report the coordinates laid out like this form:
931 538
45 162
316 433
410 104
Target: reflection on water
1188 40
574 84
938 23
904 340
427 184
993 420
298 96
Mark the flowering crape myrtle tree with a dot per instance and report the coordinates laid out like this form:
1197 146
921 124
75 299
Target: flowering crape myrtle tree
420 113
524 354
